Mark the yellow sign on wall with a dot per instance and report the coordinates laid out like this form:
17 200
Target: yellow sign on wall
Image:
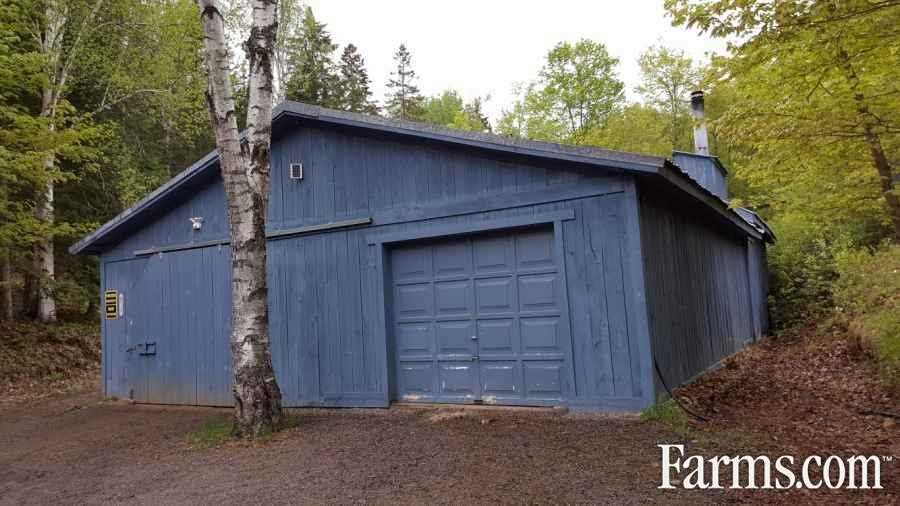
111 300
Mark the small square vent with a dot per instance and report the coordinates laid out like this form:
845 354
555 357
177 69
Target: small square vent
296 171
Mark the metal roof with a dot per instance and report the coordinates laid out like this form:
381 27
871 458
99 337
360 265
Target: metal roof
204 168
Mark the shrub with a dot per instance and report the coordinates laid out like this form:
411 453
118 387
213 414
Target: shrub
802 268
867 300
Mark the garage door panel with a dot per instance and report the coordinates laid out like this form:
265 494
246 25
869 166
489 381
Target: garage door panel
494 255
539 293
453 298
415 339
455 338
543 380
457 379
501 380
414 301
496 296
497 337
480 318
534 250
540 336
411 264
416 379
453 259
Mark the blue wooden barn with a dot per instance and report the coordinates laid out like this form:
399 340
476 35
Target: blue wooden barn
420 264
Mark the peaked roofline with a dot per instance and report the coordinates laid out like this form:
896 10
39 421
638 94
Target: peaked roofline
638 164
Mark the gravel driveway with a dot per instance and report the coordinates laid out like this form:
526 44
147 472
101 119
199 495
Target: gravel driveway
81 450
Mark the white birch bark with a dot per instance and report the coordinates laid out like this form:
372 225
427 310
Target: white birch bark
245 172
59 61
42 251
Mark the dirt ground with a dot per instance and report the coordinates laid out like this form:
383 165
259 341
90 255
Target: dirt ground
79 449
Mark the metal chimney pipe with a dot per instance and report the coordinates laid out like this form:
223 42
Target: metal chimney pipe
701 139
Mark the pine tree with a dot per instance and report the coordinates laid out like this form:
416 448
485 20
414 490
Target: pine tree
354 84
404 100
474 110
314 78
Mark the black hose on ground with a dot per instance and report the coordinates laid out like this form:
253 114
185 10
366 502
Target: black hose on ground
672 395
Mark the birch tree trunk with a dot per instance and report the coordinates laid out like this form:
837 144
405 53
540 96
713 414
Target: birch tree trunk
245 172
60 55
42 250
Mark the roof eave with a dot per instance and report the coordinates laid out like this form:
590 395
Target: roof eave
675 176
546 154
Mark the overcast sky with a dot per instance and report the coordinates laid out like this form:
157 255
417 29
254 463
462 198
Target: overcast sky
484 47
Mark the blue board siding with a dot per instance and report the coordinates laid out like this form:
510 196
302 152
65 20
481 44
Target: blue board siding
325 311
351 176
179 305
331 318
698 289
759 286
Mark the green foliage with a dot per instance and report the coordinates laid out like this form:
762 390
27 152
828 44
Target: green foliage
449 110
310 72
867 297
667 78
404 100
131 113
314 78
636 128
815 99
802 270
577 90
354 85
808 120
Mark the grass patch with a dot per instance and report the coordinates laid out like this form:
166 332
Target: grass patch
671 415
217 432
213 432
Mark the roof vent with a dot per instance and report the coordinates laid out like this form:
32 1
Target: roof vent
296 171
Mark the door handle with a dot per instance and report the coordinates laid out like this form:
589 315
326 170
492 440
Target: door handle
474 338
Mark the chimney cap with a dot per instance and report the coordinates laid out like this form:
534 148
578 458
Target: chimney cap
697 97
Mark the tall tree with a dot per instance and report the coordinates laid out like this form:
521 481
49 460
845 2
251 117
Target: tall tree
245 168
667 78
354 83
448 109
39 125
817 98
238 16
442 109
637 128
65 26
404 101
576 91
474 114
314 78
